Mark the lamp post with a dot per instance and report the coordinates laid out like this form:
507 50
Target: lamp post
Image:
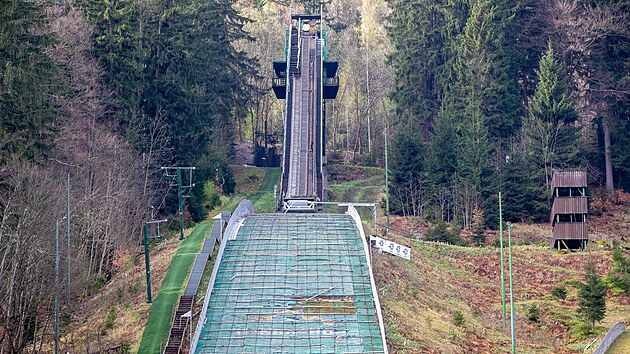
386 181
57 288
147 259
180 199
68 228
513 333
502 263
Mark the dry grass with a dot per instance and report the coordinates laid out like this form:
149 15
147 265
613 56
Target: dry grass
248 178
621 345
421 296
126 294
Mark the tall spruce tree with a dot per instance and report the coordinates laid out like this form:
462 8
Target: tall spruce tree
116 35
467 103
484 69
441 165
524 195
549 132
611 64
478 227
620 141
176 61
407 172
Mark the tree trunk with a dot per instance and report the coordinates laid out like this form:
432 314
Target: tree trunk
609 168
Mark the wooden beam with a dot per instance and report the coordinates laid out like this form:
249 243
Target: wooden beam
565 245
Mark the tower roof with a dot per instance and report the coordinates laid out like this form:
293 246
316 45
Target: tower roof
568 179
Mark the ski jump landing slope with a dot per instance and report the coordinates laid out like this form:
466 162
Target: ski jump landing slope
291 283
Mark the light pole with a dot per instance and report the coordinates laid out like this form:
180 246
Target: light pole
502 263
175 173
68 224
386 181
147 259
180 200
57 288
511 289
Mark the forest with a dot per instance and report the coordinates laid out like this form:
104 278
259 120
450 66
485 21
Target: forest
475 96
495 95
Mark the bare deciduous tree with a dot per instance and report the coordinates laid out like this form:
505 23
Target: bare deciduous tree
580 31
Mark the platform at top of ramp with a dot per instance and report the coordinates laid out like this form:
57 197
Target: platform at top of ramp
293 284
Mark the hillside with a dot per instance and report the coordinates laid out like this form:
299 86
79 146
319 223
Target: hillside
116 315
421 297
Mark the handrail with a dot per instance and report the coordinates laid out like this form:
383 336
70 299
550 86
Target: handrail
322 47
286 105
299 45
174 317
331 81
352 212
610 337
279 81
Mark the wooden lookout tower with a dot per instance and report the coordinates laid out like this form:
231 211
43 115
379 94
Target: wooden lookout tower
569 210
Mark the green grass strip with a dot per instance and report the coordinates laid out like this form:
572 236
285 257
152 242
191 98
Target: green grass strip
159 324
157 329
272 177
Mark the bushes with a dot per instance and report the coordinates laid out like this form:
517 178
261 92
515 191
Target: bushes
458 319
533 313
444 232
213 197
559 292
109 321
97 284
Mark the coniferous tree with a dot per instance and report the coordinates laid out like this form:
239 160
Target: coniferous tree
478 227
548 131
524 195
116 47
483 105
484 69
620 143
591 296
611 64
531 31
441 166
618 279
176 63
423 33
27 82
444 232
407 172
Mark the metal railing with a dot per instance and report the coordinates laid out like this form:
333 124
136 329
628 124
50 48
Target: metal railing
610 337
331 81
279 81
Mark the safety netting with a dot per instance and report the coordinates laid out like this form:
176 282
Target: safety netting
293 283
